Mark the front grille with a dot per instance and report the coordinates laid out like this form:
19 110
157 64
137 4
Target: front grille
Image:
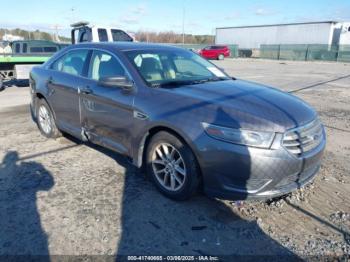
303 139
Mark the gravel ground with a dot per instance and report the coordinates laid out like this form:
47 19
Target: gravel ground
62 197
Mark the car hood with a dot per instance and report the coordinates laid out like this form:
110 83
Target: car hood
240 104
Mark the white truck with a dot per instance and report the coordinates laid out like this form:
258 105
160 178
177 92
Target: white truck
21 56
83 32
18 57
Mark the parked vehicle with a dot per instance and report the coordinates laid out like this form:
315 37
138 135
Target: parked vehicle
32 52
218 52
181 117
25 52
83 32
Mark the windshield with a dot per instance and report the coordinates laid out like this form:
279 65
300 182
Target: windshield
173 67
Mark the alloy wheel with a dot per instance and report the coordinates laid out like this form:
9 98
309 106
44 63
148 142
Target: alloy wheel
45 119
169 167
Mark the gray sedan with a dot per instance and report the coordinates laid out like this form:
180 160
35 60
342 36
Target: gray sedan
182 118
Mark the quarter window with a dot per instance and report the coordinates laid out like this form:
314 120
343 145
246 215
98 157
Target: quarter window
104 65
71 63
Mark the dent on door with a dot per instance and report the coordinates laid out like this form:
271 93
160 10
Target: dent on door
107 117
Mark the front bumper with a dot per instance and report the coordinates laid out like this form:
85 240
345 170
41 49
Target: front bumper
238 172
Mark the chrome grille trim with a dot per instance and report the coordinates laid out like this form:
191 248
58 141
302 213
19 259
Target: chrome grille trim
303 139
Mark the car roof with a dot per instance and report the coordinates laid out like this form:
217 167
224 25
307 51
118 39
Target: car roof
126 46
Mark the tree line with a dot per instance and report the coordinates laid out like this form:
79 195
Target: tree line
172 37
141 36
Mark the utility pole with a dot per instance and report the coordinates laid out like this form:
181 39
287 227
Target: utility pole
57 39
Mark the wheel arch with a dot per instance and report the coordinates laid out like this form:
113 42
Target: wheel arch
39 96
142 148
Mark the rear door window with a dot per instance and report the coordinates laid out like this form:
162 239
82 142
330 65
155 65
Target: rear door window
71 63
102 35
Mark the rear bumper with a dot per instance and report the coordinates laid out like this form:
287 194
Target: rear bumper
238 172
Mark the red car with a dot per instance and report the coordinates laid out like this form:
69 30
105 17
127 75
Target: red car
215 52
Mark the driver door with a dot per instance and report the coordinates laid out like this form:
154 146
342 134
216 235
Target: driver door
107 112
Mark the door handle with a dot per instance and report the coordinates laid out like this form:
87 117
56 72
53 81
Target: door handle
85 90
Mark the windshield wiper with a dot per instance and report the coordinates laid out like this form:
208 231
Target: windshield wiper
187 82
213 79
171 83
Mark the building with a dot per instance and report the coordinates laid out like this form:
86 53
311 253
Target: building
251 37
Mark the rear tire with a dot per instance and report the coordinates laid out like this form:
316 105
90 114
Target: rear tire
45 120
221 57
172 166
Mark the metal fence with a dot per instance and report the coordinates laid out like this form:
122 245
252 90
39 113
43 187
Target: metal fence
196 47
339 53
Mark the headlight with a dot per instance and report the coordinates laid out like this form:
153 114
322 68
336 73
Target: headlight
240 136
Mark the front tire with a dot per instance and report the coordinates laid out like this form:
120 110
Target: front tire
45 120
172 166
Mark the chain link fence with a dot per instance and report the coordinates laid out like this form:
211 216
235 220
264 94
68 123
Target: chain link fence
339 53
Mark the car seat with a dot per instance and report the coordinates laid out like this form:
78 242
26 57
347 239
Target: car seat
150 69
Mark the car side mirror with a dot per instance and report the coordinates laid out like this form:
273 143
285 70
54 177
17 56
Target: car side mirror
117 81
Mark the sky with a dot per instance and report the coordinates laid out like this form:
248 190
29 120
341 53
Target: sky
200 17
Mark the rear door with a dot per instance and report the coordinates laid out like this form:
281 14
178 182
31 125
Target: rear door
107 112
65 78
